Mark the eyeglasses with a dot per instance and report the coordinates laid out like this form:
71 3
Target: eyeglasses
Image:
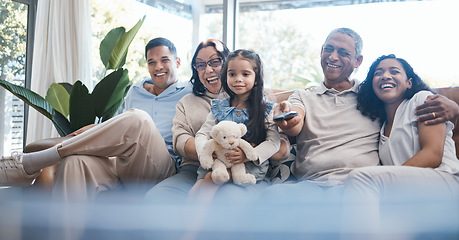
201 66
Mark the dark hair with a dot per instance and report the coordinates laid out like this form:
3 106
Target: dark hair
156 42
256 106
198 88
367 101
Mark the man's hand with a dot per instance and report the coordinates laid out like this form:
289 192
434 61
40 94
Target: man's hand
285 125
437 109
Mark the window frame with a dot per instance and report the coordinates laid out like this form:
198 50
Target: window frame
31 18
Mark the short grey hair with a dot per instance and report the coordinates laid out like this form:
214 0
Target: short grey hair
354 35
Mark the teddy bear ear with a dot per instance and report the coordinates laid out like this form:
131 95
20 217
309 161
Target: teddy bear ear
243 129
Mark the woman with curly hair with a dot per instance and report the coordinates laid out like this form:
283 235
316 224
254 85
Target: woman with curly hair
390 93
419 160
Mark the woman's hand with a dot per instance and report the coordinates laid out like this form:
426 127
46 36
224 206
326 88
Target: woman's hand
236 157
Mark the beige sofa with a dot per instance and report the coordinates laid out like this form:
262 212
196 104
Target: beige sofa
45 180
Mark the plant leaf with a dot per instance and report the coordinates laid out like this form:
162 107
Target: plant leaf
112 111
59 98
33 99
61 124
67 86
81 107
121 48
109 91
40 104
115 109
108 43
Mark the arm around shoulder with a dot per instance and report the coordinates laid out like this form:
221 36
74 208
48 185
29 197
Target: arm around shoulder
438 109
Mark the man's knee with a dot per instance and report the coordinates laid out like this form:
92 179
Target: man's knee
137 116
374 178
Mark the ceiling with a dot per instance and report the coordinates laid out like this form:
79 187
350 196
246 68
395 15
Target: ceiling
215 6
183 8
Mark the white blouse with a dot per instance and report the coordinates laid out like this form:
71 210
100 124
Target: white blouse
403 142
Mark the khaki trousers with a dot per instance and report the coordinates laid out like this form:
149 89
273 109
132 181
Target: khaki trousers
125 151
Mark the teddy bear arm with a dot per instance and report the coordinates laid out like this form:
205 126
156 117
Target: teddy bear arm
206 158
249 151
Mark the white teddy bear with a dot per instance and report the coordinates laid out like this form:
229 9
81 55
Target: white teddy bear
226 136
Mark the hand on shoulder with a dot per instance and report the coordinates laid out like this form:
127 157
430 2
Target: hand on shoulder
437 109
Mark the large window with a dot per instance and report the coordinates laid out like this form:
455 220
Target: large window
288 36
16 31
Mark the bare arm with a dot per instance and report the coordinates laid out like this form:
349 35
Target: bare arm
432 141
239 156
283 151
190 149
437 109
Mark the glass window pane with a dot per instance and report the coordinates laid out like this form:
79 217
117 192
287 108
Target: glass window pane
289 41
211 26
288 56
13 37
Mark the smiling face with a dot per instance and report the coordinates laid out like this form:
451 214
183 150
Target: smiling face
390 81
162 66
338 58
210 76
241 76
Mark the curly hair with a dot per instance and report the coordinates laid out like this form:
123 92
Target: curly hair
256 105
367 101
198 88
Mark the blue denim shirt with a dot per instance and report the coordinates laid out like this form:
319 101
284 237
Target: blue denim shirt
222 110
161 108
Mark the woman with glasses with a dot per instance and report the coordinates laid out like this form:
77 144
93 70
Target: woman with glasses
191 113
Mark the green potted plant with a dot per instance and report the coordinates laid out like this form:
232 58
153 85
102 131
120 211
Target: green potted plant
71 107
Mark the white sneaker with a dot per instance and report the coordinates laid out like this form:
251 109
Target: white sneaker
12 172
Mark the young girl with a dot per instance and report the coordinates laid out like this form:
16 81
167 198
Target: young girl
242 79
419 160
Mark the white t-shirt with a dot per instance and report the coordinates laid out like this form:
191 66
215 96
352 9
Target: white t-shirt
403 142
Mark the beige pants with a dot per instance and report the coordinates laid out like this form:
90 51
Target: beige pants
127 150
